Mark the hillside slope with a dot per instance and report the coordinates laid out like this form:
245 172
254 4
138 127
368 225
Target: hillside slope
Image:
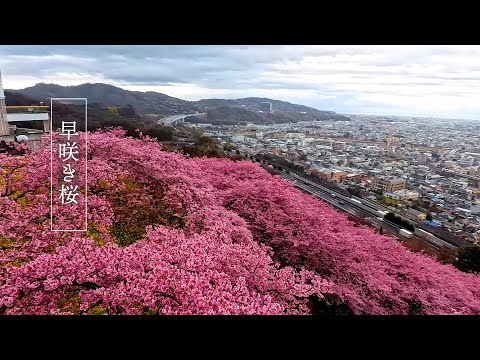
98 117
231 115
108 95
223 110
254 103
175 235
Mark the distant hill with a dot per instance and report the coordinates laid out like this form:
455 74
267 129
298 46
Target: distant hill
108 95
231 115
219 111
13 98
98 117
250 110
253 103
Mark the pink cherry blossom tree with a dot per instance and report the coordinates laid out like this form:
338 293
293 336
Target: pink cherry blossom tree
168 234
206 264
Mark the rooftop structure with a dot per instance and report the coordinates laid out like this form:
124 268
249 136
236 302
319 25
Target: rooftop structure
10 132
388 184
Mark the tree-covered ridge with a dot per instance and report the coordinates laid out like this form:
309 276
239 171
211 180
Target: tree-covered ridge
108 95
219 111
98 117
169 234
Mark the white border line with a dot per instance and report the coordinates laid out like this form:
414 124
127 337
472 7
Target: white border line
51 164
86 167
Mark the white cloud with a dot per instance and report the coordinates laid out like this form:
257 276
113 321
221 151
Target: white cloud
428 80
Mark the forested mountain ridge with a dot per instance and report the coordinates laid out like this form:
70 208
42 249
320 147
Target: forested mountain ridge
218 110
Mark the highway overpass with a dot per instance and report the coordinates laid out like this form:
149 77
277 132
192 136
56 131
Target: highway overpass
176 119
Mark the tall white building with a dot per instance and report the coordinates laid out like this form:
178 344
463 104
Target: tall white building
4 130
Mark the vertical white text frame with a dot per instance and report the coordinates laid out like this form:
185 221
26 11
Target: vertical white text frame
51 163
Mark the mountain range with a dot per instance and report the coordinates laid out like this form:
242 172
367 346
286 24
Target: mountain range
218 111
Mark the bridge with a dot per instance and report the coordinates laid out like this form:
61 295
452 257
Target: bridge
176 119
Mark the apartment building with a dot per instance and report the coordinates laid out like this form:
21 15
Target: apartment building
388 184
328 174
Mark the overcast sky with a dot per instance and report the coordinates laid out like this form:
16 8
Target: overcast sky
415 80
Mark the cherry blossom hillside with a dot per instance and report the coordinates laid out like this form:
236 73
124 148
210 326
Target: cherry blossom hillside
174 235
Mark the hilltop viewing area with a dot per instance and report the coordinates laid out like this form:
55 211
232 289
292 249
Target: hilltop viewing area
239 180
10 116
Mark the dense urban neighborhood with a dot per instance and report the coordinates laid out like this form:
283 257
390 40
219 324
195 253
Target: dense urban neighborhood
393 161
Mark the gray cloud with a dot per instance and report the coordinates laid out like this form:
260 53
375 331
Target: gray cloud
381 77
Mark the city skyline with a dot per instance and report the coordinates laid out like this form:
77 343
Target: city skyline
423 81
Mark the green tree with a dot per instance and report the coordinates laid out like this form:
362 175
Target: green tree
162 133
429 216
229 146
469 259
127 111
204 146
355 190
302 157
